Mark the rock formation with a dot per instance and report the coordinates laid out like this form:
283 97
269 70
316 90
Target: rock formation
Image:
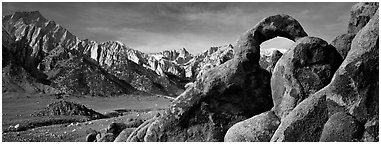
225 94
304 123
306 68
353 90
343 43
259 128
341 127
354 87
360 14
122 137
275 56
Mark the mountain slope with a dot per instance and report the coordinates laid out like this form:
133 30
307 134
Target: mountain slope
43 48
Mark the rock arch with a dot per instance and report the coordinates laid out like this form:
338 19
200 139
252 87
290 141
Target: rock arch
248 46
224 95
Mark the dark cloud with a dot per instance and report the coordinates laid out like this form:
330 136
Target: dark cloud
153 27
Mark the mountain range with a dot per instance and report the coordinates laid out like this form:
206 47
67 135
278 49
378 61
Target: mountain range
41 56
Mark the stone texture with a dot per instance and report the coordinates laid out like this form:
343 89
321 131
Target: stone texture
91 137
275 56
108 137
342 43
341 127
354 87
98 137
371 130
361 13
259 128
305 122
138 134
304 69
122 137
225 94
116 128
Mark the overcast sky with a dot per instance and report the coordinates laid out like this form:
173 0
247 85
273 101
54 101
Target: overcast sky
154 27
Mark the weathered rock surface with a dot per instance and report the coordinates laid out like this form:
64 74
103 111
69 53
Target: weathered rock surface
371 130
225 94
259 128
91 137
306 68
122 137
116 128
138 134
305 122
275 56
108 137
341 127
354 87
342 43
361 13
353 90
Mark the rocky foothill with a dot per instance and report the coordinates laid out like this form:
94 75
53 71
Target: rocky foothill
315 91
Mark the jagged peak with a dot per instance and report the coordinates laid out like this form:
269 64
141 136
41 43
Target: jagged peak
177 51
184 51
28 13
214 49
121 45
29 16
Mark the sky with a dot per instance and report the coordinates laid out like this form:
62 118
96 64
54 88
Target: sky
154 27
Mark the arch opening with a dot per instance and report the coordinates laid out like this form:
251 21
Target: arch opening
278 43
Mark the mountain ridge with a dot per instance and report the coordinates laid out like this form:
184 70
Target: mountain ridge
42 45
37 37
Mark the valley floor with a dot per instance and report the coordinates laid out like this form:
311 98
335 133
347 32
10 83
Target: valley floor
17 107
